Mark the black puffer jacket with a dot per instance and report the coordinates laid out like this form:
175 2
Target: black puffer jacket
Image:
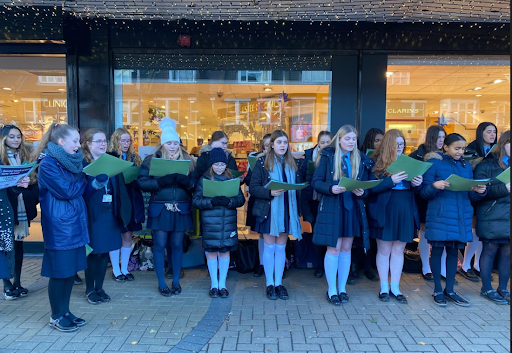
173 194
219 222
493 211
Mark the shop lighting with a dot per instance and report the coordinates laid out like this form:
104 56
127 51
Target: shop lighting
186 117
495 82
163 106
474 112
266 84
7 88
151 101
268 89
436 112
389 73
15 100
478 95
182 125
61 89
492 102
477 88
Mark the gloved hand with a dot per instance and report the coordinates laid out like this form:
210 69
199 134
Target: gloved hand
100 181
182 180
220 201
166 181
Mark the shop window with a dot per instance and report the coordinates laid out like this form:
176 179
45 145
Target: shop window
316 76
182 75
254 76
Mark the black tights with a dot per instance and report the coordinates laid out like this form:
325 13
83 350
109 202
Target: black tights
18 263
319 254
160 238
451 267
59 293
95 272
486 263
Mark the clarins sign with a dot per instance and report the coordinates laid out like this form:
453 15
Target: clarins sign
55 103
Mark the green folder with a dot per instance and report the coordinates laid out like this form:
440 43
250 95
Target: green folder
277 185
493 148
228 188
131 174
88 250
236 173
107 164
311 167
352 184
370 152
160 167
410 166
504 177
252 162
458 183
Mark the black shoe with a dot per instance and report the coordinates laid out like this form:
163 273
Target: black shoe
494 297
168 273
166 292
214 293
469 275
477 273
351 281
429 277
371 275
63 324
443 278
333 299
259 271
457 299
77 280
319 273
93 298
384 297
343 297
223 293
128 277
22 292
76 320
105 298
271 292
399 298
504 293
282 293
120 278
10 294
439 299
176 289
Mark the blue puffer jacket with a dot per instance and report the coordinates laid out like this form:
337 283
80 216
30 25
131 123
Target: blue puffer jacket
449 213
63 211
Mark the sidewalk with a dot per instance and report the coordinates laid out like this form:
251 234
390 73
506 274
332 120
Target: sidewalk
139 319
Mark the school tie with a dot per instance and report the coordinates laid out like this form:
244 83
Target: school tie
347 195
344 166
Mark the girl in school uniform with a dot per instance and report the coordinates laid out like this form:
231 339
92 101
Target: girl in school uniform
219 139
109 210
121 146
169 211
312 155
485 139
63 219
6 233
219 220
392 214
341 214
372 139
23 198
493 221
434 140
277 212
449 213
250 220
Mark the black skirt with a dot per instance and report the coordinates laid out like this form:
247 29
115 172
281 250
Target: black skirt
223 249
169 221
349 220
449 244
399 224
63 263
105 234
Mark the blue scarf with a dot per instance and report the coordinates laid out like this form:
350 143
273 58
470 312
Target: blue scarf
277 204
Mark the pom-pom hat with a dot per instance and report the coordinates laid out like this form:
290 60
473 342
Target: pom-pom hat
168 127
218 155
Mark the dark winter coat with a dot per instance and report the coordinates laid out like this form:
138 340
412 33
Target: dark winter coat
449 213
203 162
136 198
63 210
493 211
421 203
473 150
327 227
219 223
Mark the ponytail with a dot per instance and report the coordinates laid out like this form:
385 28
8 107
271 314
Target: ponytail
54 133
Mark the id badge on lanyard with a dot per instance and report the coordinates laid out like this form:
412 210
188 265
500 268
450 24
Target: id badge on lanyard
107 198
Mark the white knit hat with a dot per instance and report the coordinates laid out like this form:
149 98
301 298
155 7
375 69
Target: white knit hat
168 127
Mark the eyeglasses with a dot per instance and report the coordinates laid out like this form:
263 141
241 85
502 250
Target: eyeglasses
400 145
125 141
101 142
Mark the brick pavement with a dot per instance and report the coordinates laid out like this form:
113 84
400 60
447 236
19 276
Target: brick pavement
138 319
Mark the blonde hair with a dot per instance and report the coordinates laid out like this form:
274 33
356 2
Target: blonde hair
355 157
115 146
270 156
54 133
386 152
88 135
182 155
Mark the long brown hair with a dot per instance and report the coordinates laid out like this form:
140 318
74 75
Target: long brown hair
431 137
88 136
271 155
23 150
500 149
115 146
54 133
386 152
183 155
355 157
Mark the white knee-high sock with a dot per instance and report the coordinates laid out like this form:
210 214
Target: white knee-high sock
280 260
114 259
268 263
424 248
343 270
223 271
212 268
261 246
470 250
331 268
125 258
443 263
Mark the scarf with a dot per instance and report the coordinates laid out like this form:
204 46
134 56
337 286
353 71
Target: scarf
20 229
277 204
70 162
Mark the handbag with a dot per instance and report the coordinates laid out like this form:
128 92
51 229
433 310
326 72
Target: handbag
246 255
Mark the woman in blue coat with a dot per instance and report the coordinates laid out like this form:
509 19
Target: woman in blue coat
109 210
392 214
63 219
449 213
341 214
